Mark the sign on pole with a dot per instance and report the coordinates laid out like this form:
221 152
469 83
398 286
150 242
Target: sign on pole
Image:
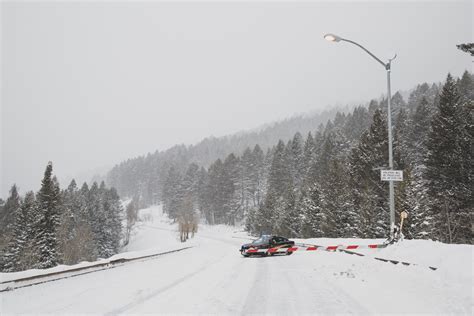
391 175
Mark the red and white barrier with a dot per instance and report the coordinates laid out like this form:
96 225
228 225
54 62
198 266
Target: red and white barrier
311 248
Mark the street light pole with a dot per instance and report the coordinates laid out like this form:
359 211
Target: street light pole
391 190
387 66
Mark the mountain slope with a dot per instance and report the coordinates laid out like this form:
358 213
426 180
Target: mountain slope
144 175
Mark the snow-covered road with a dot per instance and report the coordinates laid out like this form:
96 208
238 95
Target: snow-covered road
209 278
213 278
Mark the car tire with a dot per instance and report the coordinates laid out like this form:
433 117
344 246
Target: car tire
243 253
288 253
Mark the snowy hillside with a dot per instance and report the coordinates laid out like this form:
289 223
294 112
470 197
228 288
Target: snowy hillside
213 278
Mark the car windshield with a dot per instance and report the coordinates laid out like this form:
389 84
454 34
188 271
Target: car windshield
261 240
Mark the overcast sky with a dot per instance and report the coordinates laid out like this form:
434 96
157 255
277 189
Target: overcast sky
87 85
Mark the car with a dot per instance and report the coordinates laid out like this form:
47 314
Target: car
267 242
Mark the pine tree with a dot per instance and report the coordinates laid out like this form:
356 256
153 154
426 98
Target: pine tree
401 139
113 221
287 220
467 48
171 193
280 185
215 194
189 195
330 176
48 208
189 185
465 195
373 107
259 172
247 184
68 223
341 220
419 222
20 253
83 246
330 210
308 154
369 194
203 193
406 190
296 159
397 102
312 216
254 176
7 216
357 123
448 184
83 200
232 211
281 188
264 217
313 168
417 95
95 217
466 86
418 134
280 179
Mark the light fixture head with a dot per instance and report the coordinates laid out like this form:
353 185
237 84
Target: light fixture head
332 37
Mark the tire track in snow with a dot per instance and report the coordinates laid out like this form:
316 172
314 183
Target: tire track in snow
161 290
218 290
278 287
141 300
240 271
255 300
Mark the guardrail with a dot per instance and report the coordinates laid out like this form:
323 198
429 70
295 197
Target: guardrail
59 275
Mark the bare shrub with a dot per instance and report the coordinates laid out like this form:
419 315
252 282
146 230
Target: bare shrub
81 247
187 220
146 218
132 217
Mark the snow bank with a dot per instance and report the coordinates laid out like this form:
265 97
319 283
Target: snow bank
153 234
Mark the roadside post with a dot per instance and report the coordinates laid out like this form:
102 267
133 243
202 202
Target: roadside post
403 215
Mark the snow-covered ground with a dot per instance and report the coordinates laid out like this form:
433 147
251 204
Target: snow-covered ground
213 278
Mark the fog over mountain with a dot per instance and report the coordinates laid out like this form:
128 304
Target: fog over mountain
87 85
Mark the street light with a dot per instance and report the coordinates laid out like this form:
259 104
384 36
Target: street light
332 38
387 66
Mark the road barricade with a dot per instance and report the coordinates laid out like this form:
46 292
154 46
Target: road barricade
345 249
302 247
